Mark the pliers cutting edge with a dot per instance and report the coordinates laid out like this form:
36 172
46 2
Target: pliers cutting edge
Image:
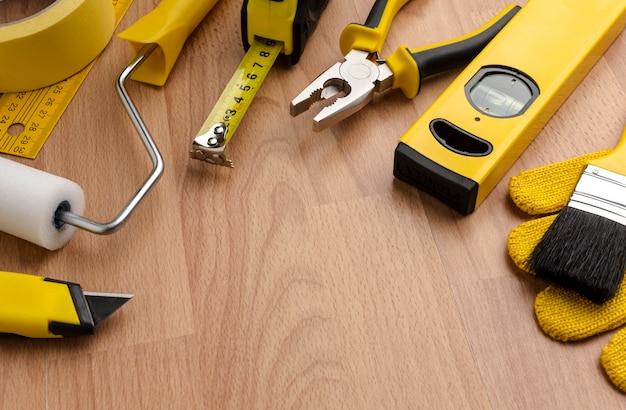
353 82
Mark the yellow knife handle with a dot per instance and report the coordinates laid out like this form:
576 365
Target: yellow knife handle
30 304
168 26
371 35
410 67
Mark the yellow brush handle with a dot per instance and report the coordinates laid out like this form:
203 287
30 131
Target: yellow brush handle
168 25
371 35
616 160
28 304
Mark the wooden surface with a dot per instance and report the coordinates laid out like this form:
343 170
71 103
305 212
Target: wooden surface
307 276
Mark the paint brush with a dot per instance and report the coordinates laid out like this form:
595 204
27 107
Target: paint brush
585 247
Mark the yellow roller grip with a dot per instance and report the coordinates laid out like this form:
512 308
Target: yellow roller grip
168 26
28 304
53 44
371 35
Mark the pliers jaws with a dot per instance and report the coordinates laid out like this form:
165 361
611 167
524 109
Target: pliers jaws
348 86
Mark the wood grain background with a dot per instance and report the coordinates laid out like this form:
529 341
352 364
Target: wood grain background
307 276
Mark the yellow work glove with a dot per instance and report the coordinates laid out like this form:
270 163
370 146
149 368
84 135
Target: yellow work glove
564 314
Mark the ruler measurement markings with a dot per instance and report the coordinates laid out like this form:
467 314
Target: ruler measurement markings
36 113
243 86
47 123
27 112
14 110
38 120
58 98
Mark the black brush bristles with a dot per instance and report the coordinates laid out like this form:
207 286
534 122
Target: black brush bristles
583 252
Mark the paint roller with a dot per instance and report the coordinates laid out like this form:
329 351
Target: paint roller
46 209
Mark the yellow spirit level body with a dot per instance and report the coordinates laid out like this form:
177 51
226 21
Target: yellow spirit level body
462 145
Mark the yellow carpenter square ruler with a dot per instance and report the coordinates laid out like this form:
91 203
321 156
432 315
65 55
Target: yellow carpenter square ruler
27 118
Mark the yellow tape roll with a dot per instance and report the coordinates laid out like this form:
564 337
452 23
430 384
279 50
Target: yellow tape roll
53 44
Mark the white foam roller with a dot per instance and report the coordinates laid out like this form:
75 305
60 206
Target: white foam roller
29 199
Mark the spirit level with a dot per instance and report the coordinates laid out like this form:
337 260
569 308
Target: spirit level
462 145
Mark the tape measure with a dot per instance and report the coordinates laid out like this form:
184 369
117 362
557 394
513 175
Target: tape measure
230 108
268 28
27 118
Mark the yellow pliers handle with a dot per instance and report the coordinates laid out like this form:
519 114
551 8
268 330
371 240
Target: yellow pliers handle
371 35
411 66
168 26
352 83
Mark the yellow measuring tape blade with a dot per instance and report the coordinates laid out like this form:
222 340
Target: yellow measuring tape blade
230 108
27 118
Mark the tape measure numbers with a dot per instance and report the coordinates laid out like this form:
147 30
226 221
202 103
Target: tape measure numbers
27 118
230 108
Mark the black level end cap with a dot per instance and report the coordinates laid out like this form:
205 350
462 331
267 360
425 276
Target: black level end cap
455 190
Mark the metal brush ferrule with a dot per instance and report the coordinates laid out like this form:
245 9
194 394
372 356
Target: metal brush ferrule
602 193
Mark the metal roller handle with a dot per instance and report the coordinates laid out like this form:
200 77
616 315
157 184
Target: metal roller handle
66 216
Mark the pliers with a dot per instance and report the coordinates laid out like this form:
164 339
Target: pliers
353 82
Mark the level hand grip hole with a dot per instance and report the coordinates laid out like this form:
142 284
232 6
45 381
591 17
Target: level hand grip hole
457 140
